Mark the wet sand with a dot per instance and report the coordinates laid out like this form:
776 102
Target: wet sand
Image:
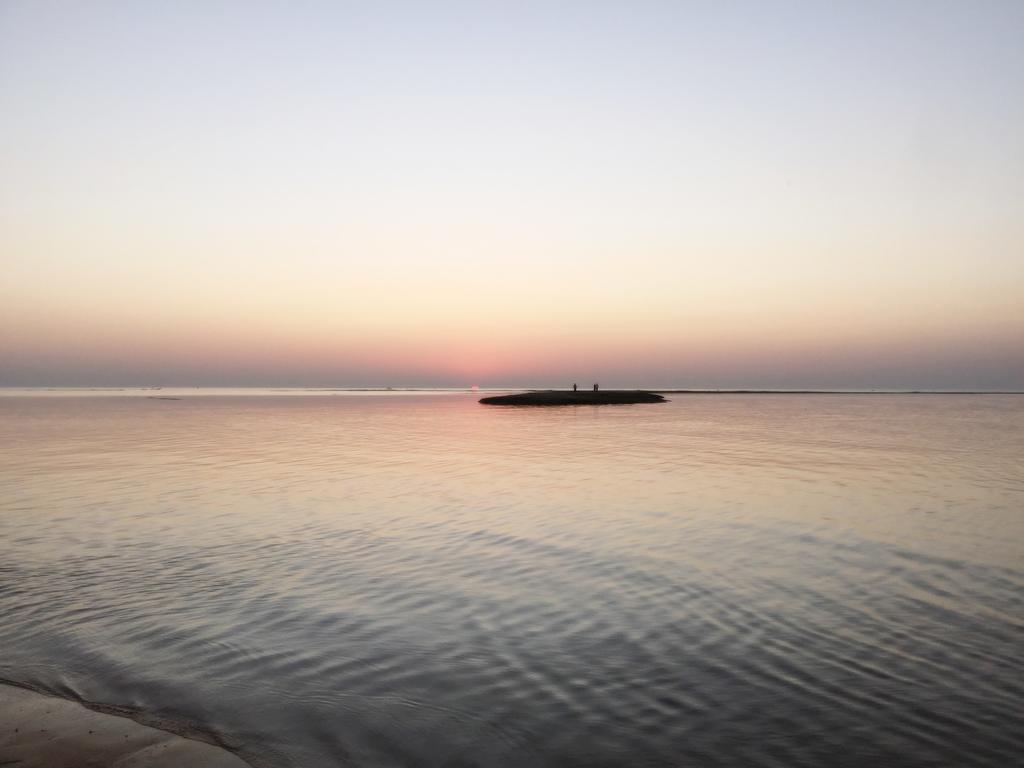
40 731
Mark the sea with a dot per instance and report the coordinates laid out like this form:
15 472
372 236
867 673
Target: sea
318 578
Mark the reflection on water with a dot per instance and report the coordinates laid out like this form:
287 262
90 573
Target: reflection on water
773 580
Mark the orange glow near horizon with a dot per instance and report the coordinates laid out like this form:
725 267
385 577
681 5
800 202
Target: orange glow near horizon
427 213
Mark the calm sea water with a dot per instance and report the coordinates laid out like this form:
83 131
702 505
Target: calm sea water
419 580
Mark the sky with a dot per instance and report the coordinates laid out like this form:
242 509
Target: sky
673 194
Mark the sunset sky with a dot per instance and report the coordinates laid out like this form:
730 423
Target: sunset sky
719 194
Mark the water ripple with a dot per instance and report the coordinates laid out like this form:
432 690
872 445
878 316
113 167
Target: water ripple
765 581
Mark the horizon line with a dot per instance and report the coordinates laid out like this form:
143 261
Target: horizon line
479 388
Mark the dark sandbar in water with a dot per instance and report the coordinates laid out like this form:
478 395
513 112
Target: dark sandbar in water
586 397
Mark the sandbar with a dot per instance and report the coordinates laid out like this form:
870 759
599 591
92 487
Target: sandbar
585 397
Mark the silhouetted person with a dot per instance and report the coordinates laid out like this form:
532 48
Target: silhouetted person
595 387
573 387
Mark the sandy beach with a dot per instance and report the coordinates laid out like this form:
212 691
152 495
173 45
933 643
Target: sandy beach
40 731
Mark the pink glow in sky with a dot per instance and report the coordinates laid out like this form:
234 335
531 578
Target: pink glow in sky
646 194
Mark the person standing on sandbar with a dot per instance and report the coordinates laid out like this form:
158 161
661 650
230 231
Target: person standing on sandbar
574 387
595 387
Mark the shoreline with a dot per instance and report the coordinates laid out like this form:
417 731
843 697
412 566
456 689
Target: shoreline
44 730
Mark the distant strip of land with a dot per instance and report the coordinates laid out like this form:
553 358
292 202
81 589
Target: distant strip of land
586 397
177 393
628 396
834 392
41 731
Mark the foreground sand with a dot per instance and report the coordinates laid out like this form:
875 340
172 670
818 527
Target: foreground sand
39 731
